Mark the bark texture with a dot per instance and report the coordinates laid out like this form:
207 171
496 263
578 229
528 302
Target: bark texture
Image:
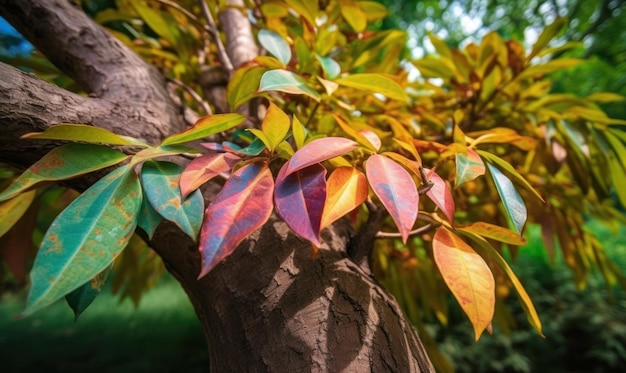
269 306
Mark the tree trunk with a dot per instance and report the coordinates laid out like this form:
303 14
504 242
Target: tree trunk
270 306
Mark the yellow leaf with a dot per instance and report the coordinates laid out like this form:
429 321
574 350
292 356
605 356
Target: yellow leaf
468 277
275 126
353 13
346 188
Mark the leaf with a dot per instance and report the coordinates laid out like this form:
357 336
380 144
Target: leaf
346 189
161 182
468 277
300 197
62 163
12 210
353 14
513 203
396 190
318 151
330 66
468 166
161 151
488 250
440 194
504 165
549 67
203 169
84 133
275 126
243 85
206 126
288 82
156 21
148 219
298 132
494 232
605 97
547 35
275 45
242 206
373 10
357 135
85 238
375 83
80 298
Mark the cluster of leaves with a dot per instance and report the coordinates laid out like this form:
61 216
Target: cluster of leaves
479 134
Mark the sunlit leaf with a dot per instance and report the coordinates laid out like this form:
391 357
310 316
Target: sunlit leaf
513 203
243 85
204 168
468 277
549 67
275 126
83 133
488 251
300 197
440 194
206 126
505 166
161 182
374 83
307 9
242 206
469 166
346 188
80 298
374 10
547 35
319 150
494 232
357 135
298 131
275 45
605 97
13 209
288 82
353 14
396 190
62 163
161 151
85 238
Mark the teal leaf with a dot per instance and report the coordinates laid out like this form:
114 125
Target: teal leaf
149 219
85 238
513 203
275 45
80 298
288 82
161 185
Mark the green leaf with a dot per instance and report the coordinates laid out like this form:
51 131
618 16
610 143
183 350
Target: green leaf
206 126
288 82
62 163
275 45
83 133
505 166
513 203
468 166
81 298
161 151
485 248
275 126
12 210
85 238
161 182
375 83
148 219
547 35
243 85
549 67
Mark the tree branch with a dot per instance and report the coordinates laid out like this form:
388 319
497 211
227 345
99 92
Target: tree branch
241 46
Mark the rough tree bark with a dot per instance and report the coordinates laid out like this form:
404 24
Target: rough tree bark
268 307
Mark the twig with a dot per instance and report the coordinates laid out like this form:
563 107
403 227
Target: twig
427 184
414 232
185 12
194 95
221 50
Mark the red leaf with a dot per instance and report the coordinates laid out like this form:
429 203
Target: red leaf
468 277
396 190
346 188
300 198
319 150
440 194
243 205
203 169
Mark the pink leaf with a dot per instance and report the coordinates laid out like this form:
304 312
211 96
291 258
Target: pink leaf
300 198
319 150
243 205
440 194
396 190
203 169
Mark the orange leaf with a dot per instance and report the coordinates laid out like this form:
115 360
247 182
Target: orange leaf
468 277
346 188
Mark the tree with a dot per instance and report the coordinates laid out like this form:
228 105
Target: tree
283 265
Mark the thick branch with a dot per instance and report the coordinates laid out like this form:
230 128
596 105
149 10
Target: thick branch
97 61
240 43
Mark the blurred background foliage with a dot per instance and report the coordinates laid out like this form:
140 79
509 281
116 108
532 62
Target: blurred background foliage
585 329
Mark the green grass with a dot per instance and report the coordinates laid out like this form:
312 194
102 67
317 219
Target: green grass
161 335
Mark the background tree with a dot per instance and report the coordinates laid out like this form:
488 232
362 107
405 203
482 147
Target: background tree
456 166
